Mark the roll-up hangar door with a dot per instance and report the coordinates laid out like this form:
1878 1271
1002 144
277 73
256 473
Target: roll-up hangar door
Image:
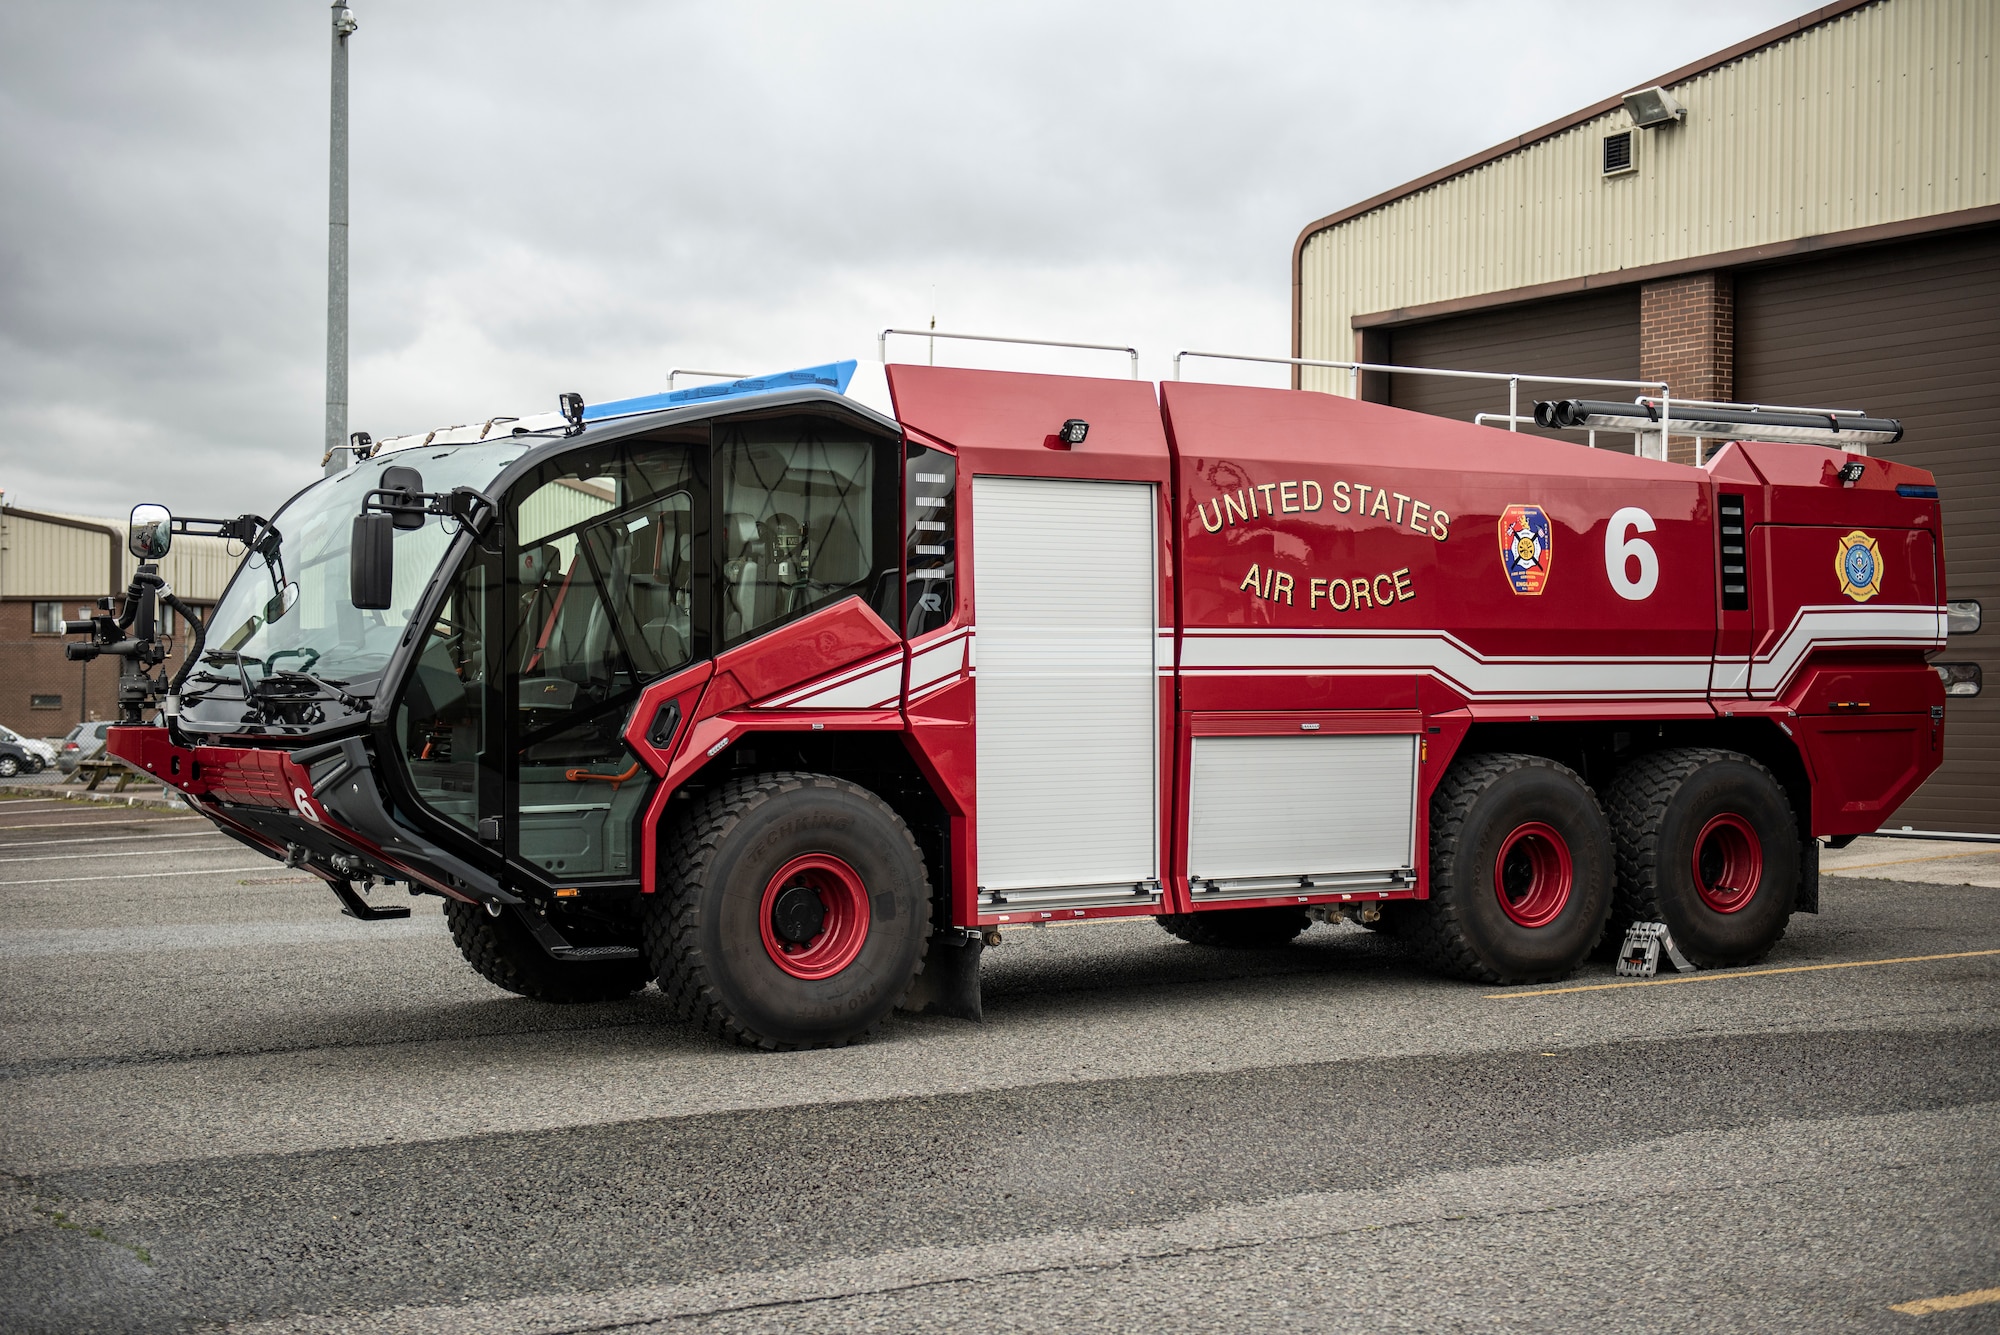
1910 331
1595 335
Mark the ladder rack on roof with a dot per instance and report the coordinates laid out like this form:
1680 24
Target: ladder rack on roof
1649 420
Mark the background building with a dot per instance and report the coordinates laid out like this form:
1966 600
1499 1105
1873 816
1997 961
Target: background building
53 567
1822 228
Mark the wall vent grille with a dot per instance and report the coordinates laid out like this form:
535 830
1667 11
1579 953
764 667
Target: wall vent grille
1618 157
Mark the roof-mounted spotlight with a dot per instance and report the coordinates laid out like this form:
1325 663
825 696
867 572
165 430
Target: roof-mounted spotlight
1654 106
572 411
1069 434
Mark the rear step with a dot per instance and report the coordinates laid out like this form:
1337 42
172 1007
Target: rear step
354 906
558 946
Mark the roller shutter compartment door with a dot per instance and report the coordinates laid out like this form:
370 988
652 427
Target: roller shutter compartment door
1305 812
1065 595
1910 331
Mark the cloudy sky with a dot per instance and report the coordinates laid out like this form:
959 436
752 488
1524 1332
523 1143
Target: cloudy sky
556 196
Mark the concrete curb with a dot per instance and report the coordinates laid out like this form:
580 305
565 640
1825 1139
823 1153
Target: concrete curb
148 800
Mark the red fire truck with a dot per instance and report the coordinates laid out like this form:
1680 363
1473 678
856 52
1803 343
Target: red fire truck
790 705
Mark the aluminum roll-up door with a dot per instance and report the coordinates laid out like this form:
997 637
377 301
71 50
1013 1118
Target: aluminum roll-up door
1065 594
1303 812
1910 331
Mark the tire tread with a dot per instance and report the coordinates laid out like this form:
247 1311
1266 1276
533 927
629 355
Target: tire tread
672 920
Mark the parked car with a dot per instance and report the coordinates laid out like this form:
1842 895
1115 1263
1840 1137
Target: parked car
45 750
18 755
84 742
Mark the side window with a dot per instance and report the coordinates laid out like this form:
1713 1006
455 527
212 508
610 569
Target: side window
601 597
801 498
441 717
930 539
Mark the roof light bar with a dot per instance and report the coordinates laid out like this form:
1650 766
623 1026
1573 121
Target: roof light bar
1715 423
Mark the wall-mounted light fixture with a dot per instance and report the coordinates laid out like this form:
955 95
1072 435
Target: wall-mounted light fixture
1654 106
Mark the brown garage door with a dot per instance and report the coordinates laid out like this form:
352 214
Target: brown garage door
1595 335
1909 331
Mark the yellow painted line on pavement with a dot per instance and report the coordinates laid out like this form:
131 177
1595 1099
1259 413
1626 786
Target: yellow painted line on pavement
1744 973
1949 1303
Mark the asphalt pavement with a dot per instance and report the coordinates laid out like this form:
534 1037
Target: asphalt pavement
229 1107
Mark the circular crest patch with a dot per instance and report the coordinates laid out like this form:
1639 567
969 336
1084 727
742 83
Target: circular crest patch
1858 563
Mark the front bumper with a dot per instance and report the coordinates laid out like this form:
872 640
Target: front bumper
318 807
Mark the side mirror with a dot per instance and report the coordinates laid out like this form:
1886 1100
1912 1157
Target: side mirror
150 535
371 568
409 514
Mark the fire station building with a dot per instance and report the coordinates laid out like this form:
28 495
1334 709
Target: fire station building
54 567
1811 217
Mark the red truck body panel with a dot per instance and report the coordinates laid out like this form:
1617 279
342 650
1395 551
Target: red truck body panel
1336 571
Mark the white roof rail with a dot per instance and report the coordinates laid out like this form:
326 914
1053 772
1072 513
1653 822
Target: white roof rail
882 343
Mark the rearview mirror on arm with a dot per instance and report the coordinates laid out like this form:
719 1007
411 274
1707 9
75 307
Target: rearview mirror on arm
150 534
371 570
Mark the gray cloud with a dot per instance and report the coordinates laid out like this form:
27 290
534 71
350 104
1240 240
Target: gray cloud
579 196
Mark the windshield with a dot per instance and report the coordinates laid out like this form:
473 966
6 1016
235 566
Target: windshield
292 612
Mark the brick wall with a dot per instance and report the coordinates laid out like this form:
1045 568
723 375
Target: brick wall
1687 337
32 665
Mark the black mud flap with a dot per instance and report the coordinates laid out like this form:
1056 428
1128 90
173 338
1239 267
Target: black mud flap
949 984
1807 899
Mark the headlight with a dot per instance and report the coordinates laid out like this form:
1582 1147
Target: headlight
1958 678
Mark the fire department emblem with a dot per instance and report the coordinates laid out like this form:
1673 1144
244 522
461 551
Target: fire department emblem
1858 563
1526 547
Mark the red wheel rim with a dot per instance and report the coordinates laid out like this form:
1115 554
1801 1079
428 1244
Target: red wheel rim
1728 863
1532 876
814 916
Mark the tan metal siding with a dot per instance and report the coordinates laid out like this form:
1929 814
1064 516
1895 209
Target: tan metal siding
1910 331
43 560
1887 113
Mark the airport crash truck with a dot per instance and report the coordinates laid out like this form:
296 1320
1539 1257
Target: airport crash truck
791 705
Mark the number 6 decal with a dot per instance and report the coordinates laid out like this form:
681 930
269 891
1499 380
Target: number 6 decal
1621 549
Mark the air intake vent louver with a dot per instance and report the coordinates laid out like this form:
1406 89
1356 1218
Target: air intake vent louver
1617 152
1733 542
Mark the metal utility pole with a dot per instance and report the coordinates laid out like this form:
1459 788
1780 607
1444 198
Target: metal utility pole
336 250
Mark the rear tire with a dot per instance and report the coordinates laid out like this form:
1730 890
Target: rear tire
794 912
1521 871
9 767
1237 929
1706 843
504 953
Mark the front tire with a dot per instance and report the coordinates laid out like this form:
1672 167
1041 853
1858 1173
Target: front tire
503 952
794 912
1521 870
1237 929
9 767
1707 844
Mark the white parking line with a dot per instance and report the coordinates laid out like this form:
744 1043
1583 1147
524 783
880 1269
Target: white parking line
33 942
79 857
136 876
107 839
94 825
